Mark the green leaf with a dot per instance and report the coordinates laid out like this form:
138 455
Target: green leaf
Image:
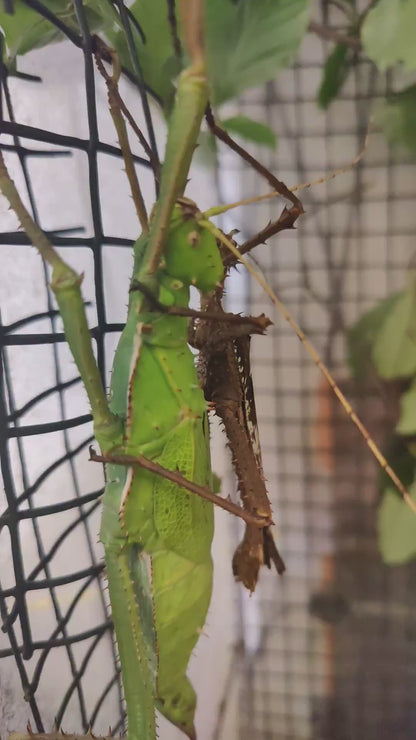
402 460
394 352
250 130
362 337
407 421
397 118
335 72
26 29
206 152
396 527
157 58
388 33
249 40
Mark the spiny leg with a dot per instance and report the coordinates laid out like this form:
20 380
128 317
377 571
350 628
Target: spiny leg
175 477
251 324
288 217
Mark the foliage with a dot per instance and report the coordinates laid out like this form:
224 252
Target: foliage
26 29
248 41
384 32
397 117
388 34
159 65
394 349
396 522
250 130
382 347
396 528
335 72
362 336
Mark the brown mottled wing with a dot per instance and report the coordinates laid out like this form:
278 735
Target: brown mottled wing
242 356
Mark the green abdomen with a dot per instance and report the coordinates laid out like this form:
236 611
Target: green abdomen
173 527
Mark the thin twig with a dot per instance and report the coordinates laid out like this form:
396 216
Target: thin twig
217 210
331 34
107 54
125 18
123 139
344 7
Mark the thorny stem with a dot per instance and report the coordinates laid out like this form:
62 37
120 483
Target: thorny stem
65 284
125 20
123 139
106 53
175 477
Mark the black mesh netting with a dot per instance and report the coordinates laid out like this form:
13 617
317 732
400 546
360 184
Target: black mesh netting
51 635
329 651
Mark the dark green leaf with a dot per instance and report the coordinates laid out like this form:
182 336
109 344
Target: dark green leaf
402 460
397 117
407 421
26 29
388 33
396 522
335 72
250 130
394 351
362 337
157 58
249 40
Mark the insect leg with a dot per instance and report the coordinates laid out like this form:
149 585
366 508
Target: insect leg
258 520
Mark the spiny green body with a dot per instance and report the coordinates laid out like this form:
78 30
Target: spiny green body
161 533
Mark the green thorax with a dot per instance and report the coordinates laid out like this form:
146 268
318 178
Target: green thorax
191 257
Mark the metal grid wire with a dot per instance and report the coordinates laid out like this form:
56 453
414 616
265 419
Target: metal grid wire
351 676
68 649
337 654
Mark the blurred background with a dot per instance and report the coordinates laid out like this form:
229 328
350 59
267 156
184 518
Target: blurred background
328 651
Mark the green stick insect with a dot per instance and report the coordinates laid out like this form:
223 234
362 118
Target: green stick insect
154 433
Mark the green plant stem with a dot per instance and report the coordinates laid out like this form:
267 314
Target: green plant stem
65 284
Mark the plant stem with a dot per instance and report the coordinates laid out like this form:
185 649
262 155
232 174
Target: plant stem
123 139
65 284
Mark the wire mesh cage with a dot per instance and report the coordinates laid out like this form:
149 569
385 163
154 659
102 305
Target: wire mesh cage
54 612
326 652
335 654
